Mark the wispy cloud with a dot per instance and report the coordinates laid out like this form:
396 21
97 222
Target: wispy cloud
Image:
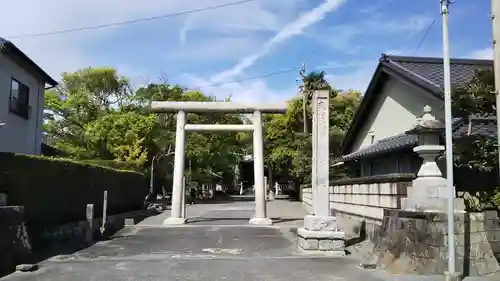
486 53
288 31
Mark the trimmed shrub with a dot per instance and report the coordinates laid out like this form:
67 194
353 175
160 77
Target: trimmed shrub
55 191
119 165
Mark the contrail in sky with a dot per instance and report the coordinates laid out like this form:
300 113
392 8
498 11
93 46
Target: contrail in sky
288 31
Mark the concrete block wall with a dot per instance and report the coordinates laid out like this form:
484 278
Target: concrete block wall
365 197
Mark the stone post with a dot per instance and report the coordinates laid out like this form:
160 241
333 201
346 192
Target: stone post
320 231
314 143
3 199
89 215
266 189
428 190
180 142
258 162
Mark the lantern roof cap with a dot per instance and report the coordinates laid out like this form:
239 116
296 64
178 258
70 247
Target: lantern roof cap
427 123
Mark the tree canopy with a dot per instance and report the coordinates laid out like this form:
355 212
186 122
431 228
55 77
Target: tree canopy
96 115
477 152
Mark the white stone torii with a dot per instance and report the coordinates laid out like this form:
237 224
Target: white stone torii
182 108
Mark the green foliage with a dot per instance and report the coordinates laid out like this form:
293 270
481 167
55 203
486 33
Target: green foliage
114 164
287 148
475 99
80 108
96 117
315 81
123 136
57 190
477 153
482 200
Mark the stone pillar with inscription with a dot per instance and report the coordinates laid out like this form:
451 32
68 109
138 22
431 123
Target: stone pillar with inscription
320 231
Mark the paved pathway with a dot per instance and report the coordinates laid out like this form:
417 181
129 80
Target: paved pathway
218 244
283 213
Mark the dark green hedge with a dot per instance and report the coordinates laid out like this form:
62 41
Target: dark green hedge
119 165
56 191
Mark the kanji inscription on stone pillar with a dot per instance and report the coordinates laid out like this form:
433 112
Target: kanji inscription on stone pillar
321 154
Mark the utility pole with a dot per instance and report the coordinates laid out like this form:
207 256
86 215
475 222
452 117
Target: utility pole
304 93
495 12
451 274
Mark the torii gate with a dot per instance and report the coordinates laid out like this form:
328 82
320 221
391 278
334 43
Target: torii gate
182 108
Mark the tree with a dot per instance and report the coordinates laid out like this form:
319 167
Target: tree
211 155
310 83
288 149
475 99
477 152
84 98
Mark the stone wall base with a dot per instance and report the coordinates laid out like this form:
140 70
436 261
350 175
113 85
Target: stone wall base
15 247
434 204
19 245
413 242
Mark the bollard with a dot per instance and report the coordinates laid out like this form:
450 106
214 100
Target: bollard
3 199
266 189
104 210
129 222
89 214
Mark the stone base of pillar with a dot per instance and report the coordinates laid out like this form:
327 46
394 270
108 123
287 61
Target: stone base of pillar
321 241
429 194
174 221
261 221
431 204
452 276
321 235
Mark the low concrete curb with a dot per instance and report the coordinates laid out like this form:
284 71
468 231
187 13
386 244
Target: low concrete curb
68 237
76 231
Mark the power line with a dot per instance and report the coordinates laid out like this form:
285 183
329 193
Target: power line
261 76
425 35
92 27
248 78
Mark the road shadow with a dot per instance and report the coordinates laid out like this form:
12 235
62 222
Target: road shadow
43 248
213 201
215 219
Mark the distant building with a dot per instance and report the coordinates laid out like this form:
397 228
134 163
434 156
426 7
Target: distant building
22 88
376 142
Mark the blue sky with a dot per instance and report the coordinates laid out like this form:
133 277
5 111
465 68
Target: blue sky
343 38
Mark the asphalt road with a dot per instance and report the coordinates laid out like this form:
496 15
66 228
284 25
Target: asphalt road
218 244
205 253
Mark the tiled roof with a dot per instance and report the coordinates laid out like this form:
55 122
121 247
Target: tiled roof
10 49
430 70
423 72
390 144
478 127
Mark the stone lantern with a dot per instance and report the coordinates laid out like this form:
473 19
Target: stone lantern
428 190
428 130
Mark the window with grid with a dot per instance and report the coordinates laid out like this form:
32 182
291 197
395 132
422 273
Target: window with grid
19 99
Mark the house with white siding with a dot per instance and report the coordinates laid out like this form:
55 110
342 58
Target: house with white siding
22 87
376 142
